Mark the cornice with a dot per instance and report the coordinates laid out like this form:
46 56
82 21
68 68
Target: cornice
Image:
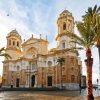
13 48
57 52
36 41
67 33
18 60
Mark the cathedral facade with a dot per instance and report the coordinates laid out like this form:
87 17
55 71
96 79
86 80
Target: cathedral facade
32 65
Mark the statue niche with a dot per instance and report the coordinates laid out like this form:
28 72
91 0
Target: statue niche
31 52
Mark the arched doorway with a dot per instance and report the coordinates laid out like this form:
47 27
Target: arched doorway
17 82
49 78
33 80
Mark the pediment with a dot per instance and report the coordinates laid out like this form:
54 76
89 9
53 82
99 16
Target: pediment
31 41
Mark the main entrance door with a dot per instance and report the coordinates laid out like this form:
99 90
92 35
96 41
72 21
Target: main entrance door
33 80
49 80
17 82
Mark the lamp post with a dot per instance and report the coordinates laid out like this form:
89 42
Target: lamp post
97 82
42 77
54 59
80 83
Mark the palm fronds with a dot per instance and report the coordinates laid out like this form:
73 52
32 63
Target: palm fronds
61 60
2 53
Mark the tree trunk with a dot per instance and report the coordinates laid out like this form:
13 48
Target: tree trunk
61 76
99 55
89 62
98 46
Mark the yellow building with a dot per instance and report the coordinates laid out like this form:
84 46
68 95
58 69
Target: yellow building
32 65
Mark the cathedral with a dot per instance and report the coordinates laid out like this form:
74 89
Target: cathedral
33 65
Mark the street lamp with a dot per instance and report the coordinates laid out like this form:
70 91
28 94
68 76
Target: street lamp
80 82
42 77
97 82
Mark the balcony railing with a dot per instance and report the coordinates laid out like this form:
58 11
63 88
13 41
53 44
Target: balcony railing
31 70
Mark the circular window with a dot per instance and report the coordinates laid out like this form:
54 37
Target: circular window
49 63
18 67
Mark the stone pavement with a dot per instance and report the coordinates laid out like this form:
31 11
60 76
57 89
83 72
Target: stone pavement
46 95
43 97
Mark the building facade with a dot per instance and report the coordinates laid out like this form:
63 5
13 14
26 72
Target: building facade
32 65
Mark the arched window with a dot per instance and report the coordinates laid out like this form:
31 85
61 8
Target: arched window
33 66
18 67
9 42
13 43
27 67
64 26
63 45
17 43
69 27
45 63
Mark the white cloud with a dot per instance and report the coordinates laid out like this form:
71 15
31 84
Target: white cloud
52 45
15 20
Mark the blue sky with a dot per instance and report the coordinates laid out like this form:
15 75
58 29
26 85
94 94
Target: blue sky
40 17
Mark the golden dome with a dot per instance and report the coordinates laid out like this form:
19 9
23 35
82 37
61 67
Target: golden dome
66 12
14 33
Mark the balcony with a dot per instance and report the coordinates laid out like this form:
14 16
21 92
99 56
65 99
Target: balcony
31 70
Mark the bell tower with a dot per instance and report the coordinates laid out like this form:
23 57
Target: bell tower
65 24
13 44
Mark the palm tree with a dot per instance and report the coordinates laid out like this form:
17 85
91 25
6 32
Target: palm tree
89 34
94 15
61 61
2 53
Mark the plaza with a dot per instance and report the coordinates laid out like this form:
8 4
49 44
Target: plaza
44 95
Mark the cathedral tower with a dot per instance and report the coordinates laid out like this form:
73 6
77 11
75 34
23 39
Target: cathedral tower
65 24
13 44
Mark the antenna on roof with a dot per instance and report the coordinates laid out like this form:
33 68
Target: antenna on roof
7 14
46 37
40 36
32 35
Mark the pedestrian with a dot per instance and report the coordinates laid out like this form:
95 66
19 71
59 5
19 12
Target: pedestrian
80 87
